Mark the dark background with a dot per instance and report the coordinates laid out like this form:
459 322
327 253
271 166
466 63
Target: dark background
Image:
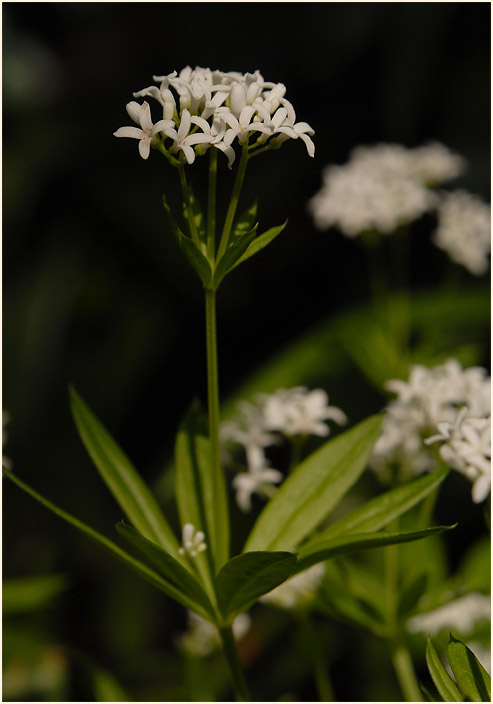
96 292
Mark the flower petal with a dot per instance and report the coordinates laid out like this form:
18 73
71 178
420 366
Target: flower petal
145 147
133 132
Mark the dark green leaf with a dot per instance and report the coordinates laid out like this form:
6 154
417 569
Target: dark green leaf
194 484
325 549
121 477
232 255
193 255
471 677
260 242
245 578
380 511
428 697
198 215
314 488
143 570
244 223
167 566
411 594
443 682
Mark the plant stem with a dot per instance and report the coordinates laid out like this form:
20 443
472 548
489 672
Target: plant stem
319 667
237 677
211 207
188 203
233 203
220 497
404 670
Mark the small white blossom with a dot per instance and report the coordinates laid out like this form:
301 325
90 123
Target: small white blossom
297 591
249 429
298 411
192 541
464 230
141 114
461 614
257 481
201 637
182 140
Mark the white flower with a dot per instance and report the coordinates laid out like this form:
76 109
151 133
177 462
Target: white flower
298 590
141 114
257 481
215 133
184 141
249 429
461 614
201 638
192 541
298 411
464 230
434 163
380 188
242 126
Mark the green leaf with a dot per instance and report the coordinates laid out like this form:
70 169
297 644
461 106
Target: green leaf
244 223
245 578
335 599
31 593
325 549
198 215
232 255
167 566
443 682
123 480
314 488
428 697
193 255
260 242
143 570
411 594
194 482
380 511
471 677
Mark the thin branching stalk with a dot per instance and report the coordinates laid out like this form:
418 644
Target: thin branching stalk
211 207
231 653
233 204
188 204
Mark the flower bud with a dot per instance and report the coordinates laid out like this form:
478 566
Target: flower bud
238 98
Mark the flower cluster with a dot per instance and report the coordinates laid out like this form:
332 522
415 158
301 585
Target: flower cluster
297 591
192 541
461 614
382 187
286 412
454 401
464 230
201 108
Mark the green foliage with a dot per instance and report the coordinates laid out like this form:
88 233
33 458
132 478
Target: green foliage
233 255
192 254
31 593
246 577
313 489
473 684
245 222
260 242
443 682
122 479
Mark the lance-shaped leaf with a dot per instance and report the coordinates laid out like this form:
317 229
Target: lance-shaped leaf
443 682
245 221
194 483
143 570
344 544
121 477
166 565
260 242
193 255
471 677
233 254
198 215
245 578
380 511
313 489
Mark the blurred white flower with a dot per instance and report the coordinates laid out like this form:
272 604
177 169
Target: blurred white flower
201 637
461 614
298 411
249 429
255 481
192 541
298 590
464 230
430 401
434 164
141 114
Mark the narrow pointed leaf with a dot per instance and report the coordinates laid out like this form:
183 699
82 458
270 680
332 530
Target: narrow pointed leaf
233 254
143 570
244 223
325 549
245 578
198 215
471 677
167 566
314 488
194 483
443 682
428 697
121 477
261 241
193 255
380 511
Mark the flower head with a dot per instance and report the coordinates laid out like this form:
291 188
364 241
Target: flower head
192 541
298 411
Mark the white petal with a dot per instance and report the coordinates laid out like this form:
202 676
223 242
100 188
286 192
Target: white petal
145 147
184 127
229 151
189 153
133 110
145 117
133 132
310 147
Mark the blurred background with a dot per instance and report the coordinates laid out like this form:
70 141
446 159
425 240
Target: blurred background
97 294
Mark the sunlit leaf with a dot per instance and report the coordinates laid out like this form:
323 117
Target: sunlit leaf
260 242
471 677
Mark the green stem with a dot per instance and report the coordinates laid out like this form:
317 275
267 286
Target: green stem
237 677
404 670
319 666
233 203
220 497
188 204
211 207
